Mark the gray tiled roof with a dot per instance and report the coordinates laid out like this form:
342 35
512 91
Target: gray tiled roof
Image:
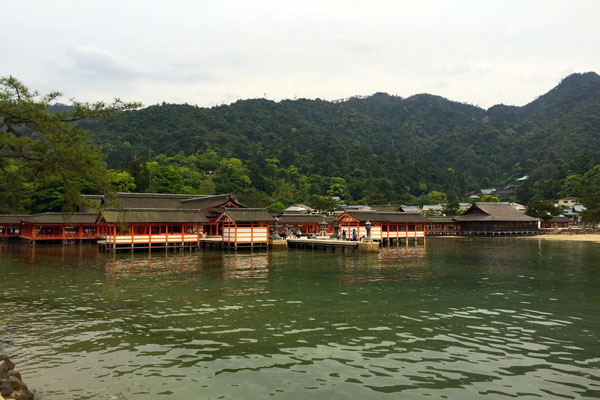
493 212
13 219
303 218
248 214
62 218
391 217
157 216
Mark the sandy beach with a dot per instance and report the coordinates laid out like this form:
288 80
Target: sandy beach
585 237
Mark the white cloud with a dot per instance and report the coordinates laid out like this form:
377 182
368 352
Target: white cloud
209 52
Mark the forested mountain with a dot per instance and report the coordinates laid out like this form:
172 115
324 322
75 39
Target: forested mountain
379 148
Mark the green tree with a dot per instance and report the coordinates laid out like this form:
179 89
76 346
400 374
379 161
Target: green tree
591 195
540 208
490 198
452 208
572 186
322 203
165 179
16 187
433 197
121 181
231 176
276 207
51 144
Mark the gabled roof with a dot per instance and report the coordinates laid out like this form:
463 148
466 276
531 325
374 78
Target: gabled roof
441 219
388 208
162 201
94 203
298 208
303 218
61 218
433 207
392 217
410 209
202 202
247 215
357 207
12 219
493 212
151 200
150 215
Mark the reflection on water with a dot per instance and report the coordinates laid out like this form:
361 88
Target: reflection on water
455 319
392 263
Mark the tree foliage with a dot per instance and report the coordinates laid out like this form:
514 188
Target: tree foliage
490 198
379 149
50 148
540 208
590 195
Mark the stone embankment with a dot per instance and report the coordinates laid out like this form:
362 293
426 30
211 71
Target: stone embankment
11 385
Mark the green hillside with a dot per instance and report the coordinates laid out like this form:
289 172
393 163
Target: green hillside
378 148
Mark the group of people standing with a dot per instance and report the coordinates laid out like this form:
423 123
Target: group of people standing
292 233
354 235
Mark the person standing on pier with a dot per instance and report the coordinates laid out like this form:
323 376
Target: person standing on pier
343 234
354 234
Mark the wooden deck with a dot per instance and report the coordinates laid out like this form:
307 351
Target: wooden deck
335 245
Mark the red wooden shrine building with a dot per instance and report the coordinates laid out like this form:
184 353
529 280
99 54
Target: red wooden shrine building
150 227
50 226
306 223
440 226
245 226
384 225
555 222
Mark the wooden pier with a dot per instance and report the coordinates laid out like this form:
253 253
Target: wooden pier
159 243
336 245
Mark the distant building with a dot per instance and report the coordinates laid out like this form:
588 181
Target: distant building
411 209
464 206
574 213
433 209
555 222
567 202
496 219
388 208
507 191
358 207
298 209
522 179
519 207
488 191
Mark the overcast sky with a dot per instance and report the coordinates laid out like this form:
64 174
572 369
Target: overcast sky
481 52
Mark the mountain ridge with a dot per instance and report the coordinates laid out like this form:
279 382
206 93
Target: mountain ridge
402 143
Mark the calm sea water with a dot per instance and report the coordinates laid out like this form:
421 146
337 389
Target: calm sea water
457 319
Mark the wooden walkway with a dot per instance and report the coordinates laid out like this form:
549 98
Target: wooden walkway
211 242
326 244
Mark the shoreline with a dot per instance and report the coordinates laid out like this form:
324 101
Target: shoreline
580 237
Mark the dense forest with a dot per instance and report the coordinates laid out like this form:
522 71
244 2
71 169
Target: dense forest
379 149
